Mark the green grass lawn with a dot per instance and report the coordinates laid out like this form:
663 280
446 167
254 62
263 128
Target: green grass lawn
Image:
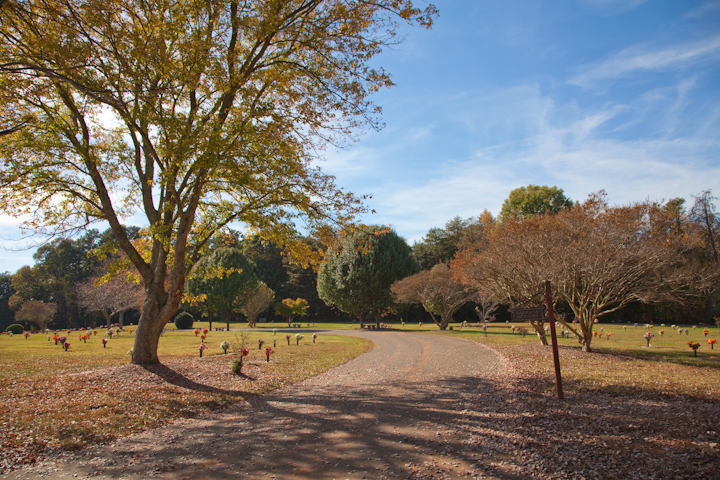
624 339
39 353
108 396
90 393
621 363
304 324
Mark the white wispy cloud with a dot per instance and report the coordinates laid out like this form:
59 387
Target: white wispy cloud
642 59
625 4
704 9
628 171
524 136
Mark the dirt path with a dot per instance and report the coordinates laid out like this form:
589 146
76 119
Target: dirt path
391 413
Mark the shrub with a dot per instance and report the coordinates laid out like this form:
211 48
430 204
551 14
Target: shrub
183 321
16 329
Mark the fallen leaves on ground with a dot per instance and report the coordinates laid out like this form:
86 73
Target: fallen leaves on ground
603 429
66 411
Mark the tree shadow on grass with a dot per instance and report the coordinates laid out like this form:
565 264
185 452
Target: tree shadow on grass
441 428
179 380
657 355
507 431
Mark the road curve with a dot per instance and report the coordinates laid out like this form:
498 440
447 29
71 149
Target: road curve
390 413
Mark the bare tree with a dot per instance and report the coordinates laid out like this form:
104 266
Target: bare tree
36 312
598 259
110 296
703 213
510 266
437 290
486 307
257 303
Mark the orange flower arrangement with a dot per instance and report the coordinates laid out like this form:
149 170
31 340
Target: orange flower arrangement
712 343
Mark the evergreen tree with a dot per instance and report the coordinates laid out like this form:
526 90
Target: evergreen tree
358 272
221 282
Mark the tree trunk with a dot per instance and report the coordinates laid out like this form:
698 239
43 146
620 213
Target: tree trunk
539 328
121 314
361 317
434 319
74 309
158 309
61 313
227 320
586 327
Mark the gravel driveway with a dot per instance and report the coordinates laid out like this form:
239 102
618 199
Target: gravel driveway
394 412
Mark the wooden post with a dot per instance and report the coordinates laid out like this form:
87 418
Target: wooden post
553 336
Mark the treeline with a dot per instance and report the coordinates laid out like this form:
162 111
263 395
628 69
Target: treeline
261 263
67 274
649 262
59 267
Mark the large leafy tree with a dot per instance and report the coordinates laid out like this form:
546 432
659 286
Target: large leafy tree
221 282
442 244
526 202
359 270
196 113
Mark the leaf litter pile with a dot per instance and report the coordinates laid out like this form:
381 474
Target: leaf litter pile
622 418
70 409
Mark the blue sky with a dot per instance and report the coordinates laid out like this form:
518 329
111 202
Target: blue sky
581 94
586 95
